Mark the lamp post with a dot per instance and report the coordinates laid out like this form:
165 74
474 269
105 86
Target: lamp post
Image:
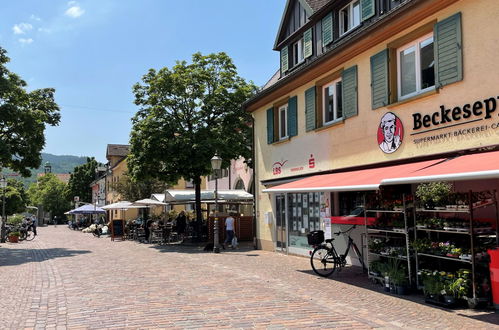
216 164
3 184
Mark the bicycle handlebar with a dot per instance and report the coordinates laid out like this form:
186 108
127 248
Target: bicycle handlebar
346 231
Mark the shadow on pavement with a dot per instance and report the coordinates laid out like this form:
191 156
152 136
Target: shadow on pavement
354 276
13 257
193 248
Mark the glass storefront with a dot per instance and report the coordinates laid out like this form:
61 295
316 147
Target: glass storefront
303 217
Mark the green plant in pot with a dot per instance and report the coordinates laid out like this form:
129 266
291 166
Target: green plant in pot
433 286
14 236
434 194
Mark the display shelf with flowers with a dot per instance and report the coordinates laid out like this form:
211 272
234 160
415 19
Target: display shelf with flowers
445 288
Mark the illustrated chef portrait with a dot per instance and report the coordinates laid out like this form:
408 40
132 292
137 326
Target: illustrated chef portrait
390 133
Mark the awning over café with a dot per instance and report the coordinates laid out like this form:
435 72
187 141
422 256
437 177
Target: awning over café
178 196
467 167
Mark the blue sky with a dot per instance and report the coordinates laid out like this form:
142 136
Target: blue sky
93 51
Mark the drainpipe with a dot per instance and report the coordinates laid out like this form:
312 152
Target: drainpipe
253 160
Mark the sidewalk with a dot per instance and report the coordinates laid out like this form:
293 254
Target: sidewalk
69 279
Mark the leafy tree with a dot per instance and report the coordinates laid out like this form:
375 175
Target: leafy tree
15 197
80 180
23 117
187 115
50 193
131 190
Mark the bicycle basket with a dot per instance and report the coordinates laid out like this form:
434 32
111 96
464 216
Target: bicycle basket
315 237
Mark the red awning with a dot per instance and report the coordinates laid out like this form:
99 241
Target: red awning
468 167
369 179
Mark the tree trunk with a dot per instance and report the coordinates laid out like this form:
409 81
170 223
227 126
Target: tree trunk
199 213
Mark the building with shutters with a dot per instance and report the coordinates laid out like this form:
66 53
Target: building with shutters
365 88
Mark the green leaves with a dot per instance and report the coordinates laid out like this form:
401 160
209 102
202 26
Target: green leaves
50 193
23 116
80 180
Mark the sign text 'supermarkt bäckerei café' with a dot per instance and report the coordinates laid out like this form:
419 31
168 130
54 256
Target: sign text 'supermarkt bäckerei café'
452 117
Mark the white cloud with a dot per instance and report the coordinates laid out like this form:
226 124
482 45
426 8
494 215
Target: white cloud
35 18
75 10
21 28
41 29
25 41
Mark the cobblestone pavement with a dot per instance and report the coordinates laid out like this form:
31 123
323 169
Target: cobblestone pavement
68 279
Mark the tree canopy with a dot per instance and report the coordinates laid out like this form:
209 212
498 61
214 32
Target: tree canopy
188 114
80 180
50 193
16 198
23 118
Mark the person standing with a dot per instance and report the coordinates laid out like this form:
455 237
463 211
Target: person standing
34 224
181 222
229 229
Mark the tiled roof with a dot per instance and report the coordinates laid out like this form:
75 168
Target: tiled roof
317 4
272 80
117 150
61 176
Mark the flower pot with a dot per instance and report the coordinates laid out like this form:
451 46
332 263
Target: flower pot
402 290
14 239
449 300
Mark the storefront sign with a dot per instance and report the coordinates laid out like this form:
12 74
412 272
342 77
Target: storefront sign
449 117
467 113
311 162
277 167
390 133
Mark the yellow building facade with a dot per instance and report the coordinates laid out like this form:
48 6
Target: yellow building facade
396 84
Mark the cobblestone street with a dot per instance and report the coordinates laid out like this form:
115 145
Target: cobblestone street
68 279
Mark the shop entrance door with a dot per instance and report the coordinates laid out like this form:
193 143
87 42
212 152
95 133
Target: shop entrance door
280 221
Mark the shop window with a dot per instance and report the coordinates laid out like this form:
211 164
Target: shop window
351 204
416 67
332 104
303 217
349 17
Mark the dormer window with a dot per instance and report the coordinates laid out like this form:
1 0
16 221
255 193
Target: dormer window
298 52
349 17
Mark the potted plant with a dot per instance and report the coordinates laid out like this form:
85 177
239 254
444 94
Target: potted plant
14 236
399 280
434 194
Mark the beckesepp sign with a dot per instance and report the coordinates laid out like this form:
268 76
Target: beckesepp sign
428 127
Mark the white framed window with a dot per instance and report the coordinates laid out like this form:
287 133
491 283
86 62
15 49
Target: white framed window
349 17
332 102
283 122
298 55
416 67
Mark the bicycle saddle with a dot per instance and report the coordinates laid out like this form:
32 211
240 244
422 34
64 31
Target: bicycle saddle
330 240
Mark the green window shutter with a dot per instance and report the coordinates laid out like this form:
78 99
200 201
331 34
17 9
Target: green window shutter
379 79
349 92
327 29
293 116
270 125
368 9
448 51
310 109
307 43
284 59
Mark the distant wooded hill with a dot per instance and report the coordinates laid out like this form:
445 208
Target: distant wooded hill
60 164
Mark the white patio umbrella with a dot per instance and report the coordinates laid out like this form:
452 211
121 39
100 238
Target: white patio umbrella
122 205
148 202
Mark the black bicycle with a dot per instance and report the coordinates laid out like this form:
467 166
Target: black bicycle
324 258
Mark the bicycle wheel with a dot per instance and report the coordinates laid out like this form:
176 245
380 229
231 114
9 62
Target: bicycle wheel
29 235
323 261
22 237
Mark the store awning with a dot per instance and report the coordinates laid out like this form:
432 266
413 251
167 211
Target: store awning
361 180
189 196
469 167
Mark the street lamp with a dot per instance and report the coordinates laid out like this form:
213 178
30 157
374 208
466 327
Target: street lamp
3 185
216 164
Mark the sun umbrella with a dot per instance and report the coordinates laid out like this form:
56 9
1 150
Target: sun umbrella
87 209
122 205
148 202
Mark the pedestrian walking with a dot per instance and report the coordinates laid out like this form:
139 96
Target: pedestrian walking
181 223
229 229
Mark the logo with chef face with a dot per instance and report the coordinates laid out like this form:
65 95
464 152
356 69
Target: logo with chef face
390 133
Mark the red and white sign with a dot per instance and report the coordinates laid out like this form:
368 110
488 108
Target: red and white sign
390 133
277 167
